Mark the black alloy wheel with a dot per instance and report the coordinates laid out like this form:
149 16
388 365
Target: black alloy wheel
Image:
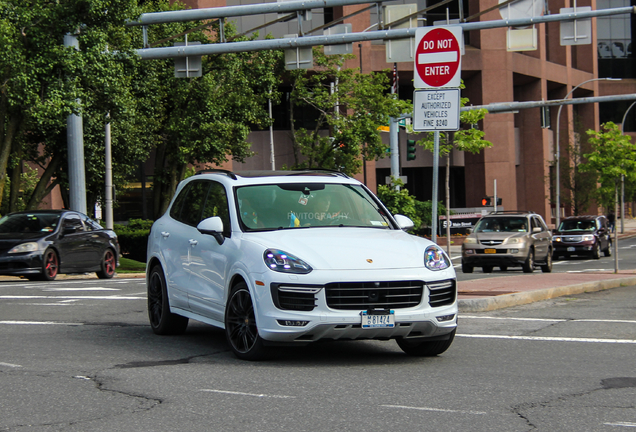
240 325
107 265
162 321
50 265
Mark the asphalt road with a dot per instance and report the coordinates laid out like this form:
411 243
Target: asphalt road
78 355
626 260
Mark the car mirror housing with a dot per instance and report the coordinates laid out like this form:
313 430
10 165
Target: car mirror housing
536 229
212 226
404 222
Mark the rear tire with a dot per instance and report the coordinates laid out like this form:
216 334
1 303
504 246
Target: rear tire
108 265
162 321
413 347
503 268
528 265
547 267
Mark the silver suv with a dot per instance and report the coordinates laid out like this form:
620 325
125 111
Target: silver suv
508 239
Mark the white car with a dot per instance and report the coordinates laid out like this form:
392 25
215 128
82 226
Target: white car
292 257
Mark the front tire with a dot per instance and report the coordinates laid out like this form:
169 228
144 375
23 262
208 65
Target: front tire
467 268
416 348
162 321
240 325
487 269
528 265
608 252
108 265
596 251
50 265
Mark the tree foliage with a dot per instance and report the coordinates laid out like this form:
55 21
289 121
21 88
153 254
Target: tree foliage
613 155
400 201
349 105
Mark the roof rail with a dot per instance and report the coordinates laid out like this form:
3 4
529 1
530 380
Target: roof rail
511 211
217 170
319 171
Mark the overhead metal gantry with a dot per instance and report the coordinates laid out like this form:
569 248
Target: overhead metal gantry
220 13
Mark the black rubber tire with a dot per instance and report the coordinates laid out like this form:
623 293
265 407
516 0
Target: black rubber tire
487 269
608 252
467 268
50 265
596 251
108 264
420 348
503 268
240 325
528 265
547 267
162 321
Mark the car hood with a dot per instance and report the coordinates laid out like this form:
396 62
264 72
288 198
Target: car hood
8 240
570 233
482 236
340 248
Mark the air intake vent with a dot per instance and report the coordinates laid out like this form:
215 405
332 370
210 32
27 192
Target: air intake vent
442 293
365 295
295 297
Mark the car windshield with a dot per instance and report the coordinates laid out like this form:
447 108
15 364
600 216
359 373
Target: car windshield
305 205
577 225
29 223
502 224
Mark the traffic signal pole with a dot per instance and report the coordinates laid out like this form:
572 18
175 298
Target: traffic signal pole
435 187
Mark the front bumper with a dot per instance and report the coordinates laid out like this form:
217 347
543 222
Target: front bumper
21 264
278 325
582 248
476 255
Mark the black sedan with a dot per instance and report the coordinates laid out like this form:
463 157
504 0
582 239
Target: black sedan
41 244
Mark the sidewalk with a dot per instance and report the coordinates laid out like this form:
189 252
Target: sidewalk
501 292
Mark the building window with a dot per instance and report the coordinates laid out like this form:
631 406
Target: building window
614 33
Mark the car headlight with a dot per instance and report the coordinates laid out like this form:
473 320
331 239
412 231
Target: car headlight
516 240
280 261
556 239
588 238
25 247
435 259
470 240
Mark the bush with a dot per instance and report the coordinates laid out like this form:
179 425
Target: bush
133 238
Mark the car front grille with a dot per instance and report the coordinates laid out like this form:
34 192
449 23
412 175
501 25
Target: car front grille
367 295
491 242
572 239
442 293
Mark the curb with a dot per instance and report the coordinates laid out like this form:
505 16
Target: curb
507 300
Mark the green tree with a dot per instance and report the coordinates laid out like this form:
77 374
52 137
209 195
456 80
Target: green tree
42 81
349 105
613 155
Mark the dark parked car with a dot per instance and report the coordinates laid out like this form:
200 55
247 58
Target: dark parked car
582 235
41 244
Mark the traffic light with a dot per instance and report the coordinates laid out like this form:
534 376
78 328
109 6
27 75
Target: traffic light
499 201
410 150
486 201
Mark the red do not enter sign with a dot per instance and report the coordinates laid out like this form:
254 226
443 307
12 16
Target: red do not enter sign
438 57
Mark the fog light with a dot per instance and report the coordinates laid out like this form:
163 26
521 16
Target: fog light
469 251
289 323
445 318
514 251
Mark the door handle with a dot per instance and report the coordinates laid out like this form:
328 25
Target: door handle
165 234
193 242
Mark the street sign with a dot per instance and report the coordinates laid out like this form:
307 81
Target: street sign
436 110
437 57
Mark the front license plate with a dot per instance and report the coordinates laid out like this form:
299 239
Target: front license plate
571 249
490 250
371 320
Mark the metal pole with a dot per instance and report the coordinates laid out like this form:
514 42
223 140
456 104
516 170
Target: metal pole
435 181
271 136
557 152
75 145
108 217
495 197
622 176
615 230
394 148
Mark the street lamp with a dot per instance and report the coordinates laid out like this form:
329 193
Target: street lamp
557 153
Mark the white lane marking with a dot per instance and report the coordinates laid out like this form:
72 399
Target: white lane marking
247 394
36 297
549 319
39 323
434 409
549 338
623 424
82 289
10 365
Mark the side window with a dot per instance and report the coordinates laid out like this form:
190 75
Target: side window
216 205
73 221
536 223
192 207
175 210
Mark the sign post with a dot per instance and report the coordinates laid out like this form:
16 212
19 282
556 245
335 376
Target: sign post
437 65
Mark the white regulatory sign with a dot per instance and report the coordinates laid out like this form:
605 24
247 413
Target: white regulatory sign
436 110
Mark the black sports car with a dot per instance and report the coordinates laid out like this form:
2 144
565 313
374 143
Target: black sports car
43 243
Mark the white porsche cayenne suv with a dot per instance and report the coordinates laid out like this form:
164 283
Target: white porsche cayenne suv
292 257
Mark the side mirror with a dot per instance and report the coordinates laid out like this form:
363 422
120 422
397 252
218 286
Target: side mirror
212 226
404 222
469 230
536 230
